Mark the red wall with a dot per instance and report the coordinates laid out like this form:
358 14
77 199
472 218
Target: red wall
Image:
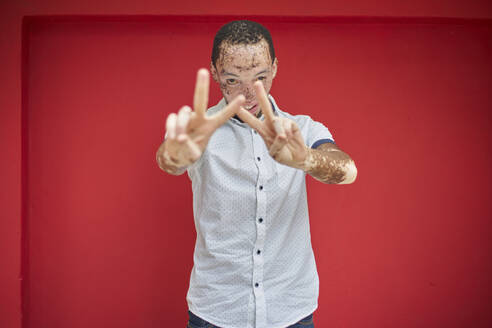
108 238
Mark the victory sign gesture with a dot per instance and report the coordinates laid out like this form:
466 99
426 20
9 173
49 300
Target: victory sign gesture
281 135
188 132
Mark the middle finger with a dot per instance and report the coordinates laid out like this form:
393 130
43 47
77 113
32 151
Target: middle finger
262 97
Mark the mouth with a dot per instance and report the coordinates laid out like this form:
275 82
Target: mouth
251 108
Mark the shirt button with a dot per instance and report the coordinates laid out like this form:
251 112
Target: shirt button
257 284
260 219
254 131
258 252
261 187
259 159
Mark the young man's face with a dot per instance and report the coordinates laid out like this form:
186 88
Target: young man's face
239 66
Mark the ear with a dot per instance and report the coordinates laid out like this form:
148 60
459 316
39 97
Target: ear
274 67
213 71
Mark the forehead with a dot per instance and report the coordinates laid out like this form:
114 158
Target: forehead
244 56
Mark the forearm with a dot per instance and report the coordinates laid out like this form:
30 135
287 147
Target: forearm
166 163
330 166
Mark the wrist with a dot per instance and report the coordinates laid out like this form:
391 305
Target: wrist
307 164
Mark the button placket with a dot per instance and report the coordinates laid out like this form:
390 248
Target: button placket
260 303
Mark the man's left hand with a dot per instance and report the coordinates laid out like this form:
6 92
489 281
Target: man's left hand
281 135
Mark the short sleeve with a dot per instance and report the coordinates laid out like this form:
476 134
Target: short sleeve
317 134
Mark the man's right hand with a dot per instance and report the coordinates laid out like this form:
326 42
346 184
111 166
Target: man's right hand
188 132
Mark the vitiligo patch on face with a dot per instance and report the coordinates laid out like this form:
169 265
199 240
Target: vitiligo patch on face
244 57
225 89
239 66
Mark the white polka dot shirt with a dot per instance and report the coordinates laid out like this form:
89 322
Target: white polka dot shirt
254 265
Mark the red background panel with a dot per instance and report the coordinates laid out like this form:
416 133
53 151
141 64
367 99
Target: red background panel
107 238
111 237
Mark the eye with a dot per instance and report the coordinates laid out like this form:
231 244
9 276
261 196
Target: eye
261 78
231 81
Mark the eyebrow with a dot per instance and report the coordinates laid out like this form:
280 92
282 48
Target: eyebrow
228 73
232 74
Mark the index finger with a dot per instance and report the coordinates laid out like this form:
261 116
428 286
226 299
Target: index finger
250 119
262 97
229 111
200 99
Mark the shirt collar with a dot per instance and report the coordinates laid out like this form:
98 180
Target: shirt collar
272 102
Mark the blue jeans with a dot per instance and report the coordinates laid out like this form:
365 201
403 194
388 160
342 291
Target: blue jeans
197 322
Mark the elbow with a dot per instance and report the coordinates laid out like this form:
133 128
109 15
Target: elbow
350 173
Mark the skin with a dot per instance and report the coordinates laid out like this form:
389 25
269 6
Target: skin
245 75
188 132
239 67
285 143
329 164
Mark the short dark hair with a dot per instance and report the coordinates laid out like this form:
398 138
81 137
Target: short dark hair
241 32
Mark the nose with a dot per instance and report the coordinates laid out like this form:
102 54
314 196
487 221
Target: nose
248 92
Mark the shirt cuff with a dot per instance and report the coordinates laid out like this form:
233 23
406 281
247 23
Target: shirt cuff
320 142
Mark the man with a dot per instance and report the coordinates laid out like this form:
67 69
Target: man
247 159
